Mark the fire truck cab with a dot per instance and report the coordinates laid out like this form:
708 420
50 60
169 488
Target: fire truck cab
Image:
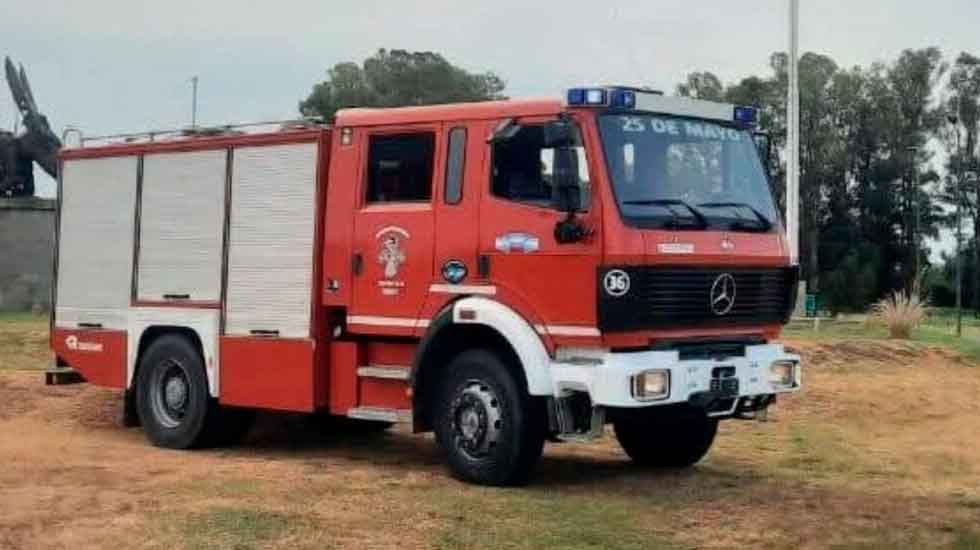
501 273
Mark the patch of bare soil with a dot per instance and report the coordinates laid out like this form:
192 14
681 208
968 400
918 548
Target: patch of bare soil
872 353
880 449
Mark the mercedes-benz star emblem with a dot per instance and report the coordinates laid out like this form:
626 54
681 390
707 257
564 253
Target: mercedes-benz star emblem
723 294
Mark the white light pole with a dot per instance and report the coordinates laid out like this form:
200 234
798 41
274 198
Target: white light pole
793 137
193 102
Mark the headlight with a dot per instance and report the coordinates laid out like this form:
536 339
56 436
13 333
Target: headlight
651 385
782 374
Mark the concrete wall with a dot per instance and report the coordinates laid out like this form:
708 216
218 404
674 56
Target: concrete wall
26 253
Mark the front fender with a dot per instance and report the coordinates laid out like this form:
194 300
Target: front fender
521 336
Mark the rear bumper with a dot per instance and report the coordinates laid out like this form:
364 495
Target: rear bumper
608 377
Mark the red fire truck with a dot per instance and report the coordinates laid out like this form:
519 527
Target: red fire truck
501 273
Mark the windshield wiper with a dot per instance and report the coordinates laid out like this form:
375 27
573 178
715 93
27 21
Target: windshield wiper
765 224
701 221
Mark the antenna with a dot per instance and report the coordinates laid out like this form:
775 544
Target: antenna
194 102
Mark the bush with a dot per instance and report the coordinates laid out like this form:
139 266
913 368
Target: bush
853 284
901 311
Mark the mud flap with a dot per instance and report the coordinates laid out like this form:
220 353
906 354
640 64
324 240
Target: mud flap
60 374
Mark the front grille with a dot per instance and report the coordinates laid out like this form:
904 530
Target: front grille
662 297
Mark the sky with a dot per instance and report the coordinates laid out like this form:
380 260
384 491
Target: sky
109 66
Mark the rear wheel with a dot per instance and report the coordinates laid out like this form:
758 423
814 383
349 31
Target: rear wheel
673 436
490 429
172 395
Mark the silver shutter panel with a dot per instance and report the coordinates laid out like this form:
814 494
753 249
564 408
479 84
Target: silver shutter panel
181 225
95 250
272 231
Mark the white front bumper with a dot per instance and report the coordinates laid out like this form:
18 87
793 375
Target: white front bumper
607 376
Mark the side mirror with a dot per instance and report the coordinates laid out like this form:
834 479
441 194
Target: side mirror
560 133
763 143
567 192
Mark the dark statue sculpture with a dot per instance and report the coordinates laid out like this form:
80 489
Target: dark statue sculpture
37 143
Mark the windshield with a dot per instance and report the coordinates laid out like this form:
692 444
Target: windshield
671 172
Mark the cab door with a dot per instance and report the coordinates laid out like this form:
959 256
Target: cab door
393 227
554 281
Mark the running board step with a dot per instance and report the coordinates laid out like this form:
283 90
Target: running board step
386 372
380 415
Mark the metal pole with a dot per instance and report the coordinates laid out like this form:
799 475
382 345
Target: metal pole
793 137
913 218
194 102
959 236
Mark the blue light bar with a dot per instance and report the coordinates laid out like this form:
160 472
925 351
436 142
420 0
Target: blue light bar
746 115
576 96
623 99
588 96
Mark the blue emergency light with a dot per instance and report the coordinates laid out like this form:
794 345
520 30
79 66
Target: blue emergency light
748 116
588 96
623 99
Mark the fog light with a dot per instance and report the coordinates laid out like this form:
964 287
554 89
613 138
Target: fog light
651 385
782 374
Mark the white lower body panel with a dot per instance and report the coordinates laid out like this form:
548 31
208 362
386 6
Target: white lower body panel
203 322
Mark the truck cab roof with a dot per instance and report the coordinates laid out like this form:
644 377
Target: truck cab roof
452 111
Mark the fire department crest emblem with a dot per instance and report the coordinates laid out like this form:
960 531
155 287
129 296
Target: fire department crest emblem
391 254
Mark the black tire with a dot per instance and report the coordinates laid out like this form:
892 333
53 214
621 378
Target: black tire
187 417
672 436
490 429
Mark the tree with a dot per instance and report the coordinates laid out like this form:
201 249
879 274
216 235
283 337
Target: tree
964 101
396 78
863 206
913 79
704 85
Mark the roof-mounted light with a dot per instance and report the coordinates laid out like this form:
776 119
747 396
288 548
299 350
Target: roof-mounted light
748 116
623 99
588 96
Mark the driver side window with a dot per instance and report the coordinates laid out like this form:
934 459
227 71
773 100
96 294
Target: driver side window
523 170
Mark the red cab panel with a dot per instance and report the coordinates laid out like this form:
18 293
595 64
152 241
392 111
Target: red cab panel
343 376
99 355
269 373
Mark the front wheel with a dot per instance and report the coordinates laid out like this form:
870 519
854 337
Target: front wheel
672 436
491 430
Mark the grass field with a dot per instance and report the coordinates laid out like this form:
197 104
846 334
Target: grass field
881 450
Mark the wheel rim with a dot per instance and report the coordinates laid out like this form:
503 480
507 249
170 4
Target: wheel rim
477 420
170 393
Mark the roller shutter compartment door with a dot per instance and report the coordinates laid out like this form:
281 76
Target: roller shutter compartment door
95 247
271 239
181 226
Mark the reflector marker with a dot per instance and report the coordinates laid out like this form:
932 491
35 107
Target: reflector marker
486 290
567 330
387 321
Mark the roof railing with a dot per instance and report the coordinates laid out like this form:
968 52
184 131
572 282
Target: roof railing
154 136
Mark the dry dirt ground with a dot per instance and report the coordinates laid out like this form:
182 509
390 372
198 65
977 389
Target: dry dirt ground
882 450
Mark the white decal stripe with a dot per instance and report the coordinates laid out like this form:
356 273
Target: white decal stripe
566 330
487 290
387 321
